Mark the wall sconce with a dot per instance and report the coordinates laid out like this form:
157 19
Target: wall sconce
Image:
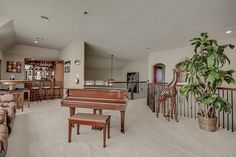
77 79
77 62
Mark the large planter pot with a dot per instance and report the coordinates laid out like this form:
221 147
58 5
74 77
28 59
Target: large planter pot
208 124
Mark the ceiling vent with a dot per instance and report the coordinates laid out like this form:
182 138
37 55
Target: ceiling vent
44 17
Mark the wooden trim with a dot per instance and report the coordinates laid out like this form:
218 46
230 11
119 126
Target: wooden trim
43 59
184 83
93 105
9 82
227 88
127 82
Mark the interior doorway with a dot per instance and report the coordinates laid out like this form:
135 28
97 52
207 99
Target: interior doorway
159 73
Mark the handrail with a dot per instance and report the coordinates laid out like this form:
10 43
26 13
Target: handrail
184 83
189 108
132 85
227 88
128 81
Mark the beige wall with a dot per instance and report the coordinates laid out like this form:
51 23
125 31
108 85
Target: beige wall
4 20
169 58
7 35
104 62
98 68
32 51
72 52
19 52
140 66
103 74
7 75
173 56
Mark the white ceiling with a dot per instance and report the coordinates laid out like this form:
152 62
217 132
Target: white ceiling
124 28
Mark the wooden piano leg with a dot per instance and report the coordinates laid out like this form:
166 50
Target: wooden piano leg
95 112
72 112
122 120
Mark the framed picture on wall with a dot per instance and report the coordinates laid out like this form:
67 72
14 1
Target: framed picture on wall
67 66
132 79
13 67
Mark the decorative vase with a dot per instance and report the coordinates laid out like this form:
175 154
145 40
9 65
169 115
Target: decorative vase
208 124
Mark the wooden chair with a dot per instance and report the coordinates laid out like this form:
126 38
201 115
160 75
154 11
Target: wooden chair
47 90
57 89
96 120
35 90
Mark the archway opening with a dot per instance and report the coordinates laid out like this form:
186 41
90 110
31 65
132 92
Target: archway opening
159 73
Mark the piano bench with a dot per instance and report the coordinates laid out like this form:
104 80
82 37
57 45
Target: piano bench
94 120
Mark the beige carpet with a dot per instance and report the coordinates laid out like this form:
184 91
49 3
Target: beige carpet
41 131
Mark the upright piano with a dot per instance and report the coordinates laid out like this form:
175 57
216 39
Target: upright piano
97 99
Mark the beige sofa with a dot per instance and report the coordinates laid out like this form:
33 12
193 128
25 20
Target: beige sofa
7 116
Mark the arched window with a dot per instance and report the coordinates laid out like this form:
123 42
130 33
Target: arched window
159 73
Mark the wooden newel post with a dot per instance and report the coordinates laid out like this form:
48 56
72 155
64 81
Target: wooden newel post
132 91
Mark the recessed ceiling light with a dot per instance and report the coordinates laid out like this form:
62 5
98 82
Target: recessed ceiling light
85 13
148 48
39 38
36 42
228 32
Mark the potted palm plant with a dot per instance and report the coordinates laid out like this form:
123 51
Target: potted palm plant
204 73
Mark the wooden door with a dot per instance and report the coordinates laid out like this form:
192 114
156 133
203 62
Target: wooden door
59 71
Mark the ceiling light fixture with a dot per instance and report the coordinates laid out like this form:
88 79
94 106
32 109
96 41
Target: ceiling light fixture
36 41
85 13
228 32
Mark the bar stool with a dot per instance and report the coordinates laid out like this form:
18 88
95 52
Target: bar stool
47 90
57 89
35 91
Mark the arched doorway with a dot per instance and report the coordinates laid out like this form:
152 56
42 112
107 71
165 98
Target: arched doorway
159 73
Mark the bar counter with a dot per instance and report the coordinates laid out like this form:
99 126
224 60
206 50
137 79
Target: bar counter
12 83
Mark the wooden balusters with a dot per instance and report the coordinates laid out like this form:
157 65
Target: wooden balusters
189 109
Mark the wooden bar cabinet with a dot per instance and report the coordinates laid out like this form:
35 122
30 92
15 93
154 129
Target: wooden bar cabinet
46 78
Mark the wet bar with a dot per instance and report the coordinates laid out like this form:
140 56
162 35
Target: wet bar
45 78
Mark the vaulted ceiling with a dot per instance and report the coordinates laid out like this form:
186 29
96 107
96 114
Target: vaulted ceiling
129 29
7 34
